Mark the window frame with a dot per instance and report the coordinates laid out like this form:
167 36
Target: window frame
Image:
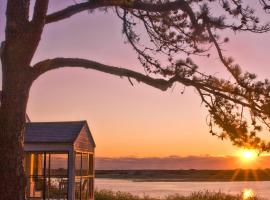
46 176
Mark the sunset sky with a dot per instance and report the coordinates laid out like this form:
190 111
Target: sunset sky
128 121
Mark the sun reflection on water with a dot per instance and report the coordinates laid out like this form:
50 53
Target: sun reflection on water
248 194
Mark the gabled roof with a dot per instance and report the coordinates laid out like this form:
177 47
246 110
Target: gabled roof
53 132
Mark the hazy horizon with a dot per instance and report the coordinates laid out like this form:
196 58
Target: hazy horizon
177 162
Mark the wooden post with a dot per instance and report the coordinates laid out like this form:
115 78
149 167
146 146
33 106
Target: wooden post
71 175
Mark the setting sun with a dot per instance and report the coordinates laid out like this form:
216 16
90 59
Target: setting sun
248 154
248 194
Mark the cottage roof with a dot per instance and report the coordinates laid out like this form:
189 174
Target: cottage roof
54 132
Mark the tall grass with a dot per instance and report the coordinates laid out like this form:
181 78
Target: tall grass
205 195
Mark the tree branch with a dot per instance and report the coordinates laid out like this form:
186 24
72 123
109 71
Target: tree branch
56 63
138 5
220 55
162 84
40 11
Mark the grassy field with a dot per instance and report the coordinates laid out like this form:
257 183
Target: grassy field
109 195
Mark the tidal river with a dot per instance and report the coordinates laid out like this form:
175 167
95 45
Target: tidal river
161 189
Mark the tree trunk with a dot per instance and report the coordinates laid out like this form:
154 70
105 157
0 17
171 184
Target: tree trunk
21 41
15 92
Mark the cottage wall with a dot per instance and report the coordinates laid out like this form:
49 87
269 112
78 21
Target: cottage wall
83 142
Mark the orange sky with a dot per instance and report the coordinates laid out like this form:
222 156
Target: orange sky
125 120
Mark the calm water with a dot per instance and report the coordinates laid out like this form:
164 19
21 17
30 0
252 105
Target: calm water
161 189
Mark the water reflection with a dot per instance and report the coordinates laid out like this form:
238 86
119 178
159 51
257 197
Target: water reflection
162 189
248 194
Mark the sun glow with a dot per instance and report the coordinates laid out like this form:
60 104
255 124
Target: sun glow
248 154
248 194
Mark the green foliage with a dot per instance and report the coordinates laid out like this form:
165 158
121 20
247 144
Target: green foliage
203 195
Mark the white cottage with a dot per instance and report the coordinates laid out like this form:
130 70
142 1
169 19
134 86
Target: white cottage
59 160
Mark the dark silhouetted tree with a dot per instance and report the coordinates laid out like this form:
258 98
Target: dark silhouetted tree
238 108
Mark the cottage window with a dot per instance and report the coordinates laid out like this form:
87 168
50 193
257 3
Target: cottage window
47 175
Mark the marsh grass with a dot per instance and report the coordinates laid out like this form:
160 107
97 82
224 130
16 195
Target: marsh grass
203 195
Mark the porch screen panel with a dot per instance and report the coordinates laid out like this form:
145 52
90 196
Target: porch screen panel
91 164
47 175
57 177
84 176
91 176
85 165
85 188
34 169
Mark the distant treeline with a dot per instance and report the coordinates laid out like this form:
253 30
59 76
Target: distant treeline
187 175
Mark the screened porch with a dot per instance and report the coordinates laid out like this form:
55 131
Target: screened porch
59 170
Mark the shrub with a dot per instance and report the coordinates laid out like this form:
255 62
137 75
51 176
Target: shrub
202 195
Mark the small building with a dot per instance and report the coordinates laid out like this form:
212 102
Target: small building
59 160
